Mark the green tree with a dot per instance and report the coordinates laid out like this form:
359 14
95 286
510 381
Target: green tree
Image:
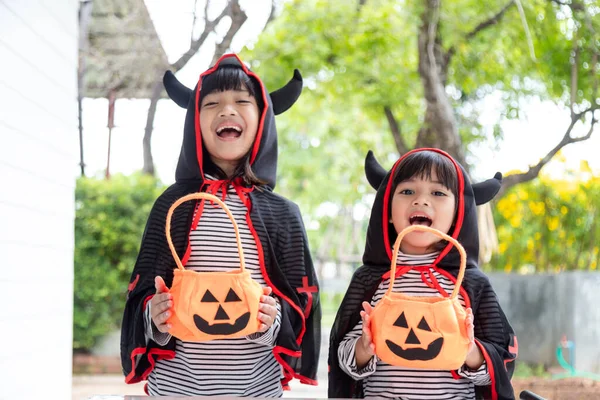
418 70
109 222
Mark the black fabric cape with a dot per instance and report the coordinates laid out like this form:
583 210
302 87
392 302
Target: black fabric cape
274 221
493 333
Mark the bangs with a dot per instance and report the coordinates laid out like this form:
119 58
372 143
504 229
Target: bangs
422 163
229 77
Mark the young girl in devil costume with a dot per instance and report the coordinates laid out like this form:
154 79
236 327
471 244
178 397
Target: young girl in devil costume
427 187
229 150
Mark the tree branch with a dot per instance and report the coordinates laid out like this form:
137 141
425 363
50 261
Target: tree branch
196 18
209 27
573 96
271 14
395 129
495 19
512 180
238 17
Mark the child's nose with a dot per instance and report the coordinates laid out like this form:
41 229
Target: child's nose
228 109
421 200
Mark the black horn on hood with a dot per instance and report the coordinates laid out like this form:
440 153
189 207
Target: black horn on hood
286 96
374 171
486 190
176 90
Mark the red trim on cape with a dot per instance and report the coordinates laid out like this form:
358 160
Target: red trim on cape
513 350
133 284
309 290
160 355
263 270
288 371
490 367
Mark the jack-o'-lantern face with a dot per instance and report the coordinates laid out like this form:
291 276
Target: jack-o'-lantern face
420 343
221 316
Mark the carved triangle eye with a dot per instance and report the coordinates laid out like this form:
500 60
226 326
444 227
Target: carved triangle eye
209 298
232 296
423 325
401 321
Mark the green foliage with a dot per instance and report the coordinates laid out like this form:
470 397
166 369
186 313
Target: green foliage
109 222
550 225
357 60
524 370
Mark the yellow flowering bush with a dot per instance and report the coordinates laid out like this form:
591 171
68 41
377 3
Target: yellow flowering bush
549 225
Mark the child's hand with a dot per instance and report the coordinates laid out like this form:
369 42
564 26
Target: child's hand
267 310
161 304
366 340
474 356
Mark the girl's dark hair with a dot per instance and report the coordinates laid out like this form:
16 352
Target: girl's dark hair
230 77
420 165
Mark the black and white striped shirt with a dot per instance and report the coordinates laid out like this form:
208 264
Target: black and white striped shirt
384 380
228 367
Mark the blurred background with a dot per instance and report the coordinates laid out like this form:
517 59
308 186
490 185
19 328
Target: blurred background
89 139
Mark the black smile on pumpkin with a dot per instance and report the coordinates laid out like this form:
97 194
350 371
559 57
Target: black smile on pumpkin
421 354
222 328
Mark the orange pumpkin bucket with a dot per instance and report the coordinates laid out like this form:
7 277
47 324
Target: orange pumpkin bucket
212 305
421 332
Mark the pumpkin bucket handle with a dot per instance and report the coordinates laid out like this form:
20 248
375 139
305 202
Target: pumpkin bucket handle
212 198
461 251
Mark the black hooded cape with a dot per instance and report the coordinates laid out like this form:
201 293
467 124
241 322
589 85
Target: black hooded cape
493 333
274 221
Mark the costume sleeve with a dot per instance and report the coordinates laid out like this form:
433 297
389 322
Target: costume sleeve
497 342
269 337
347 355
152 332
139 355
362 287
479 377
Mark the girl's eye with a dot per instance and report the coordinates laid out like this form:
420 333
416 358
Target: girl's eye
208 104
438 193
406 191
244 101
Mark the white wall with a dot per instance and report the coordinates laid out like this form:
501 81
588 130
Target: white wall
38 167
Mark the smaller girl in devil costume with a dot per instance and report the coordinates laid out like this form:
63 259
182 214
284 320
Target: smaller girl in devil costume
229 150
427 187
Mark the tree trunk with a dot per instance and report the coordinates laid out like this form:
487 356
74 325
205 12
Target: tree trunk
439 128
147 145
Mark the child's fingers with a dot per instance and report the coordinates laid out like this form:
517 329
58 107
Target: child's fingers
262 328
161 306
266 299
160 285
265 318
164 328
367 321
268 309
367 307
469 325
160 320
267 290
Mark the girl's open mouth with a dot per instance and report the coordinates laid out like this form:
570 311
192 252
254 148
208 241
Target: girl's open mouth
229 132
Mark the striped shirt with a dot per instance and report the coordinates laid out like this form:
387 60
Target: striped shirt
384 380
243 367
